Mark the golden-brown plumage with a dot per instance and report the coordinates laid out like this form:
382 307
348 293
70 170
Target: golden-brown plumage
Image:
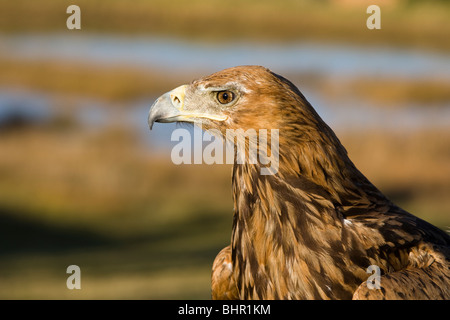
311 230
223 286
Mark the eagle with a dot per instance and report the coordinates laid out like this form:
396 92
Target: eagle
316 228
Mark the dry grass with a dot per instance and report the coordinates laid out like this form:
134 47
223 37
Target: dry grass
109 170
121 83
410 167
112 172
140 227
420 24
391 91
112 83
413 159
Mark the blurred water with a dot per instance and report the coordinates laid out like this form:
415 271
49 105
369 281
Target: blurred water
33 106
175 55
307 57
28 105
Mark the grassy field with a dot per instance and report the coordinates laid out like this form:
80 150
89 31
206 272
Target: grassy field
140 227
121 83
108 83
404 23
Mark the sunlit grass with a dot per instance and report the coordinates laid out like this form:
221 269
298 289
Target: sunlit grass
410 167
419 24
121 83
97 174
391 92
113 83
140 227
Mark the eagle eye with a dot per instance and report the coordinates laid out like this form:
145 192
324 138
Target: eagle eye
225 97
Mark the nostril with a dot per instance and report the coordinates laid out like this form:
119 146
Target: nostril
175 99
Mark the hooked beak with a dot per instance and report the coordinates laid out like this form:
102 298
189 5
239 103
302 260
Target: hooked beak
170 108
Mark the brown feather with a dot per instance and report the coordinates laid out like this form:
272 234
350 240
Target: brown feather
222 284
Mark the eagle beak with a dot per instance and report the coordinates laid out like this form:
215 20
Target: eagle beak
170 108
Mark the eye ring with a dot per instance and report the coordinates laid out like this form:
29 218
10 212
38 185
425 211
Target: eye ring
225 97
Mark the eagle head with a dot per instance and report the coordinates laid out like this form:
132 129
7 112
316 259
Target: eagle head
243 97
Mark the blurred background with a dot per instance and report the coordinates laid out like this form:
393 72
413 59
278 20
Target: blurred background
83 181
